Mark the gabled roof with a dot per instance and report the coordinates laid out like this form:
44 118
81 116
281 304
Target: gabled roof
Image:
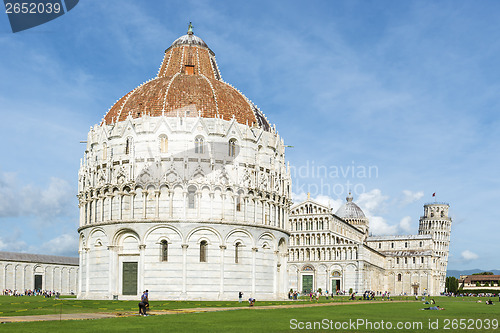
39 258
473 278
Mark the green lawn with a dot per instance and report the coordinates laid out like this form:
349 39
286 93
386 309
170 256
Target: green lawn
255 320
37 305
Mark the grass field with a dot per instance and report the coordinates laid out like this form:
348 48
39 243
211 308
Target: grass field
254 319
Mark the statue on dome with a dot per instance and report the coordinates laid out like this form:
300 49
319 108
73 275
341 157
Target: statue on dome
190 29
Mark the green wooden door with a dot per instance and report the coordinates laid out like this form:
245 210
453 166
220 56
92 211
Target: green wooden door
38 282
335 285
307 283
129 278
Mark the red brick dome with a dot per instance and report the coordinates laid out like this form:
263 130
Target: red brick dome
188 84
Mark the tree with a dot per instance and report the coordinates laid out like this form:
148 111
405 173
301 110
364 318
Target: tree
483 273
451 284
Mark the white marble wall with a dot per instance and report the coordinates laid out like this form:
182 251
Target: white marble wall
20 276
135 191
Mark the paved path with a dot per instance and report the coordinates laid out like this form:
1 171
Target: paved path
263 307
100 315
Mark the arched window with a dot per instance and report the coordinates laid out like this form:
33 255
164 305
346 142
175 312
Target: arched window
129 146
232 147
163 144
164 250
420 244
238 203
191 197
406 244
397 260
237 253
199 145
203 251
104 151
392 245
399 277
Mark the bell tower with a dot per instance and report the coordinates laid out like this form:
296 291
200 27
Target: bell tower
437 223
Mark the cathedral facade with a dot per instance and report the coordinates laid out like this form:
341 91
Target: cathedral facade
335 252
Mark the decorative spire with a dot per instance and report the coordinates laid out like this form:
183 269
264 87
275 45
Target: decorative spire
308 196
349 197
190 29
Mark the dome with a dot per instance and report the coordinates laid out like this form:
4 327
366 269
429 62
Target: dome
189 39
188 84
350 210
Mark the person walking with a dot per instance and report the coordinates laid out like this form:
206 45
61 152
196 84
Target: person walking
240 296
144 304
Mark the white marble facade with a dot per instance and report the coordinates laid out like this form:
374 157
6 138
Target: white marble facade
133 198
334 252
23 271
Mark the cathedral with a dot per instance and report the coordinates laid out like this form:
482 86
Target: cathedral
184 190
336 253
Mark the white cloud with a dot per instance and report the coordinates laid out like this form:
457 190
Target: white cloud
321 199
469 255
372 202
65 244
375 202
379 226
409 197
17 199
12 244
405 224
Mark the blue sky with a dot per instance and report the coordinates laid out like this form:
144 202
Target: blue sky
406 91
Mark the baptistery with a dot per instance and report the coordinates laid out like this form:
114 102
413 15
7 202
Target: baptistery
184 190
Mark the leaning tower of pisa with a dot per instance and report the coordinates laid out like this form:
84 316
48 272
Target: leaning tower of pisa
437 223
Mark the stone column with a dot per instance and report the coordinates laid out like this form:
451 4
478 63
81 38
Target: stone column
221 288
171 205
131 206
245 205
15 277
110 203
112 271
87 212
61 279
87 272
141 270
198 203
276 269
254 210
81 217
211 204
263 204
184 267
254 254
120 208
223 196
144 203
157 208
23 284
185 204
4 280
